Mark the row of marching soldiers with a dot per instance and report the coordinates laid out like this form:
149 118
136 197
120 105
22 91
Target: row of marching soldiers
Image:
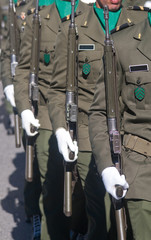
50 66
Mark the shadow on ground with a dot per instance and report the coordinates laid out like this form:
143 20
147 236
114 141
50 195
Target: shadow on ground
13 203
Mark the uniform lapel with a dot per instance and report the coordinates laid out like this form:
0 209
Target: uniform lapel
143 36
54 18
91 27
124 17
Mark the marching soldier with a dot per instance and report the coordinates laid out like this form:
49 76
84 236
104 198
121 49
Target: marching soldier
133 89
31 190
54 223
90 51
3 41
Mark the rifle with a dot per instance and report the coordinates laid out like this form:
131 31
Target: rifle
113 124
14 63
71 109
33 91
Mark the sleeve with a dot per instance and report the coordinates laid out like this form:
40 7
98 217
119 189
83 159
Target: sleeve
21 79
57 90
98 129
5 61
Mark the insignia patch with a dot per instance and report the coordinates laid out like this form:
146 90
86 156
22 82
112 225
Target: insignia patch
140 67
86 69
46 58
139 93
86 47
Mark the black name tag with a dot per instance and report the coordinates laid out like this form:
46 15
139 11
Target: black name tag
86 47
140 67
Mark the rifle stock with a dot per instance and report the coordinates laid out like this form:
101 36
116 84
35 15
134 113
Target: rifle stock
71 110
113 125
14 63
33 91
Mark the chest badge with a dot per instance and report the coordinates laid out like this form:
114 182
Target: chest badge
86 69
139 93
46 58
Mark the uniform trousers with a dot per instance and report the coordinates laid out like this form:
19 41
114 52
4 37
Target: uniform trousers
140 218
55 225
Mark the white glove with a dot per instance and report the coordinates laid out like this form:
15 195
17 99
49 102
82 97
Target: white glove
9 92
111 178
147 4
65 144
28 119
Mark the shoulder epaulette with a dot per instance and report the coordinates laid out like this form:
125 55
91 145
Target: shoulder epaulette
123 26
139 8
20 3
32 10
68 17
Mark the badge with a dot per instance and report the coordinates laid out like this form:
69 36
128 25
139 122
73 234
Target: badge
86 69
86 47
140 67
139 93
46 58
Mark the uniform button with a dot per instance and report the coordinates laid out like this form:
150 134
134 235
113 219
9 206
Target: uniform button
138 81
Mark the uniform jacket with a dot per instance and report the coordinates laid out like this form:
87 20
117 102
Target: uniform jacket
21 15
133 74
90 32
50 21
133 3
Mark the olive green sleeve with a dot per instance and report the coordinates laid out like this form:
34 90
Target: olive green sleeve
57 91
21 79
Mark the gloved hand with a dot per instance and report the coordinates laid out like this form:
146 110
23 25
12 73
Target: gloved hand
65 143
111 177
28 119
9 93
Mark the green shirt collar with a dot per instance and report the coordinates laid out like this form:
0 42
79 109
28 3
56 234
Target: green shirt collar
149 18
113 17
46 2
64 7
15 1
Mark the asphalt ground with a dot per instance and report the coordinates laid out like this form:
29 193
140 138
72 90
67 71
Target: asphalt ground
12 175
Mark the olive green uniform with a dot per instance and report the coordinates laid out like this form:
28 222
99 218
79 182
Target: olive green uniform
133 78
3 42
127 3
54 224
90 38
31 190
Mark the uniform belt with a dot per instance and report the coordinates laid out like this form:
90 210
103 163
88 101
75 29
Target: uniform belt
137 144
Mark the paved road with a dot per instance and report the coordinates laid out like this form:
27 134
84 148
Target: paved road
12 164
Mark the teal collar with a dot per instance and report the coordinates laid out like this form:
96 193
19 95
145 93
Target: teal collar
46 2
15 1
113 17
64 7
149 18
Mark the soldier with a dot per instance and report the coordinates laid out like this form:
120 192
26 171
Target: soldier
31 190
90 51
54 224
4 31
133 85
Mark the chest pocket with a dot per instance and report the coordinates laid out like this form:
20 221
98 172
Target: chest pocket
137 90
46 54
89 65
